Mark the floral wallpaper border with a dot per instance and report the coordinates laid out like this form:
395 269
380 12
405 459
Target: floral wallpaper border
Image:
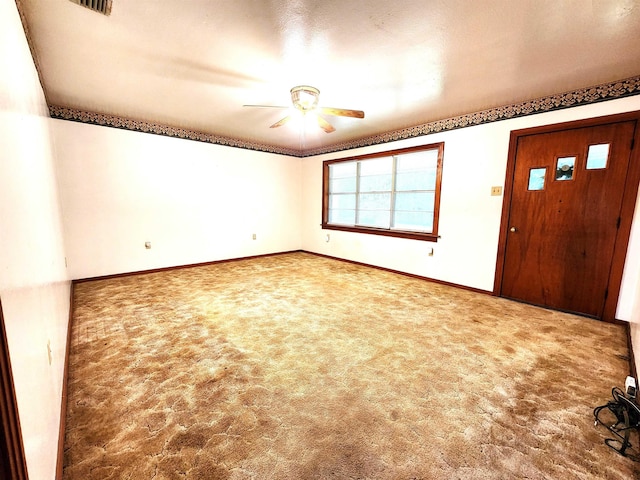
584 96
598 93
105 120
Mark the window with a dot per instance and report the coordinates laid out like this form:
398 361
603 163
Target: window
597 156
565 167
393 193
536 178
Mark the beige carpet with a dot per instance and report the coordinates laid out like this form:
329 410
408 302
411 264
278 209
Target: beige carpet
301 367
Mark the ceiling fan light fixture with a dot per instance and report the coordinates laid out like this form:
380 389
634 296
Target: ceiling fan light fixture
305 101
305 98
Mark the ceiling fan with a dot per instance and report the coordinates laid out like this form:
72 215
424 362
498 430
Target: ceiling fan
305 100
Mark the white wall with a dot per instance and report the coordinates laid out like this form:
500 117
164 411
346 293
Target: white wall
635 339
631 286
34 288
195 202
475 159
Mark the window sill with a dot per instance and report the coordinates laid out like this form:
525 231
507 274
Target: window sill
427 237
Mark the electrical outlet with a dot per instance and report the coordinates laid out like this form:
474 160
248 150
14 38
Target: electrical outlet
630 386
496 191
254 236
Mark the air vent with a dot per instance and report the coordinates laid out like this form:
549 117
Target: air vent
100 6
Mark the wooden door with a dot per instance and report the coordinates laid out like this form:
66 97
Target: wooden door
564 216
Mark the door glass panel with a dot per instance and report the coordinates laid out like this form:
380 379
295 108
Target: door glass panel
564 168
536 178
598 156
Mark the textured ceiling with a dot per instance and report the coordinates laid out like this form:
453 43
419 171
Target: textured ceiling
191 65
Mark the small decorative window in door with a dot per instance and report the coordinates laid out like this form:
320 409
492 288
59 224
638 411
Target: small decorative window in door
598 156
564 168
536 178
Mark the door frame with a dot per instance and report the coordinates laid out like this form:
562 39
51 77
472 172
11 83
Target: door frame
14 465
626 214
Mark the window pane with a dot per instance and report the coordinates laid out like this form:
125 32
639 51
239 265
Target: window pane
378 166
417 171
373 218
343 201
343 177
415 201
375 183
343 169
536 178
421 221
374 201
411 162
374 209
342 217
343 185
597 156
376 175
424 180
564 168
